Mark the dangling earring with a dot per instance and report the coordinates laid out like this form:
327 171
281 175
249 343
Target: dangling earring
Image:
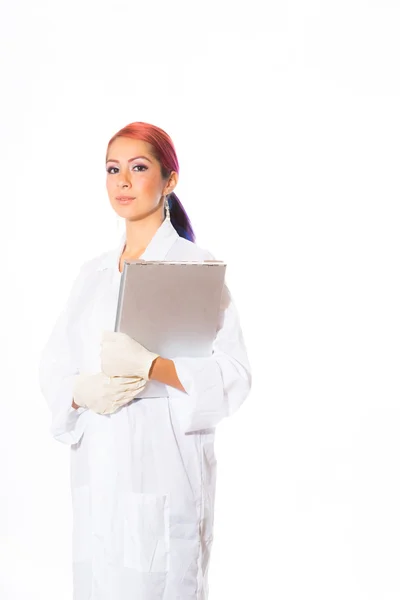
167 211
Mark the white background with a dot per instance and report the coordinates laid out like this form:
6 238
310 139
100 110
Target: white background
285 117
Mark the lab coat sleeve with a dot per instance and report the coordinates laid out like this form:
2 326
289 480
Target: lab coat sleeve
217 385
58 370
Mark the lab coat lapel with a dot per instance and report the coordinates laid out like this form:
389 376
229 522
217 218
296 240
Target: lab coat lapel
157 249
161 242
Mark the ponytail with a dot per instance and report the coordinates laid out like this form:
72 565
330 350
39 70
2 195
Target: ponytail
179 218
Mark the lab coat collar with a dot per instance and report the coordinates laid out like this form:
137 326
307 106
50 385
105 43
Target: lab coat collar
157 249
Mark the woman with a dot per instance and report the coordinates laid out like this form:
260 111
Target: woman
142 469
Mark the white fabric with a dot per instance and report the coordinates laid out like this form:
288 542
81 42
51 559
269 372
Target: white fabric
104 394
123 356
143 478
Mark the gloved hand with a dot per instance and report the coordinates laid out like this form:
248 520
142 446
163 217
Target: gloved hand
103 394
123 356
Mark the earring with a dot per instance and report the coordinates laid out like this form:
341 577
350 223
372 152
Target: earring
167 211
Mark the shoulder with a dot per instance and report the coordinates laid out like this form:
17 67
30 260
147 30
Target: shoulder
184 249
86 275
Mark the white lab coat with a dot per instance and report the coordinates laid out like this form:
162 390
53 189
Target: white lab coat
142 478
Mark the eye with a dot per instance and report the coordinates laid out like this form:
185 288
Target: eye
134 167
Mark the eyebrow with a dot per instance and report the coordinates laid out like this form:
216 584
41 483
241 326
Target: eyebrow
129 160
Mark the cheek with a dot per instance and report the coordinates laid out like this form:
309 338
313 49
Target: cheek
109 185
144 185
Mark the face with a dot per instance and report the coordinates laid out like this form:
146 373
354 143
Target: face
132 171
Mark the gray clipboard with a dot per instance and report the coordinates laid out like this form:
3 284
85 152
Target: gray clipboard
171 308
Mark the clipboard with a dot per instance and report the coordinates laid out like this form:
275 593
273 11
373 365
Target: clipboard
171 308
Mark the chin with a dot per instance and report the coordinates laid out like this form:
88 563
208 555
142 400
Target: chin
123 211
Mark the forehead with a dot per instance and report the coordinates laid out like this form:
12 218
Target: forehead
123 146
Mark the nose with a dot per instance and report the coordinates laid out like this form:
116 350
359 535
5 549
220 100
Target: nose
123 183
123 180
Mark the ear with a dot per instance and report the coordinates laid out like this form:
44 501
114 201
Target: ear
172 183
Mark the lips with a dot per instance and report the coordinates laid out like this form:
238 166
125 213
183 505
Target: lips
125 199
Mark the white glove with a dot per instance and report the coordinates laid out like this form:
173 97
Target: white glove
103 394
125 357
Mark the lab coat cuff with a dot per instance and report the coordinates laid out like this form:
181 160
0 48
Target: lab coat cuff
201 378
68 426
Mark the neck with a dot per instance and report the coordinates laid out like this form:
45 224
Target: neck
140 232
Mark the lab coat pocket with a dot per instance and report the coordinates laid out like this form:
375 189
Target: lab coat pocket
81 530
146 532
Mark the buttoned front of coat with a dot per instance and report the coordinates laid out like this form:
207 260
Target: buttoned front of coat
142 478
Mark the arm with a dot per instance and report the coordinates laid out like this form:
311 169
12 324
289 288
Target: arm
216 386
163 369
57 372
